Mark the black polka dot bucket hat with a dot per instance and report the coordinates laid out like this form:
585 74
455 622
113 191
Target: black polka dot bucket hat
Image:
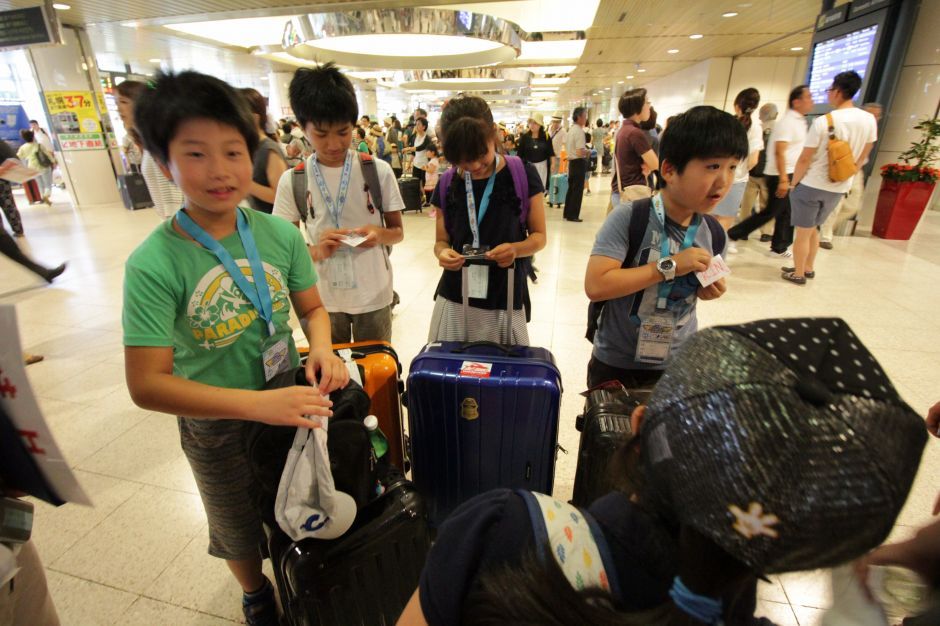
783 441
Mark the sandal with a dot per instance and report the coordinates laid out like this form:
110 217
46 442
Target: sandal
790 270
29 359
793 278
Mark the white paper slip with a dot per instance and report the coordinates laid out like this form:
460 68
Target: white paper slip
716 269
353 240
19 173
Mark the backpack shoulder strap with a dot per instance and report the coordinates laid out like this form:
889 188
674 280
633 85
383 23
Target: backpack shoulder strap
719 237
444 185
832 126
298 183
639 221
371 175
520 180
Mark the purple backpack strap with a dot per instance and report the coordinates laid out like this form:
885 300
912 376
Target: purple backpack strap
520 181
443 185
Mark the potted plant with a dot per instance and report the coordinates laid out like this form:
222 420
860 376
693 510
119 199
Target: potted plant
906 187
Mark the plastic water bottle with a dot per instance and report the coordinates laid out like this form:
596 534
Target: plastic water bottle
379 442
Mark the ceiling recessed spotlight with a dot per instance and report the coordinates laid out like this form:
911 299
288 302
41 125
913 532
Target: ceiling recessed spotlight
630 77
673 51
796 48
130 24
61 6
155 60
696 36
641 70
619 82
729 14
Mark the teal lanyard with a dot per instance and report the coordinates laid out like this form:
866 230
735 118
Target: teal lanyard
477 218
257 291
665 287
335 208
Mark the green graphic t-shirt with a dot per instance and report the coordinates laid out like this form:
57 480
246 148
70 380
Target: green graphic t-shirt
177 294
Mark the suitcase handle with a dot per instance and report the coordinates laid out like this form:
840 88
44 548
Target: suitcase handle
465 347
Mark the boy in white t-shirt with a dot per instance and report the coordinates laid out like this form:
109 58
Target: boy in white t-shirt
813 195
355 280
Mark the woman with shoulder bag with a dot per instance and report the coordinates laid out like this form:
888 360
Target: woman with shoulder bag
37 158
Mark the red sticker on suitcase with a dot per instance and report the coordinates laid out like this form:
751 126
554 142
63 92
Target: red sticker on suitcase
475 369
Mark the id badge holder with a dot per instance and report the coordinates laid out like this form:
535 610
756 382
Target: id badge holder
275 356
479 277
342 270
655 339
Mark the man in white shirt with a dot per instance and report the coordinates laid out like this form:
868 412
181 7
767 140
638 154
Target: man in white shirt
783 150
814 195
354 277
849 206
558 137
576 144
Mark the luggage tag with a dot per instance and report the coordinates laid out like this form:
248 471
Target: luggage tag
275 356
655 339
342 270
477 274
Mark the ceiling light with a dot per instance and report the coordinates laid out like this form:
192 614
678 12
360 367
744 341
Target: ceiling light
155 60
469 79
729 14
549 81
796 48
630 77
558 51
620 82
549 16
696 36
422 39
61 6
641 70
130 24
243 32
673 51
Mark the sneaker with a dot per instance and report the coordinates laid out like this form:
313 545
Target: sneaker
786 254
260 608
793 278
732 248
766 238
788 270
825 245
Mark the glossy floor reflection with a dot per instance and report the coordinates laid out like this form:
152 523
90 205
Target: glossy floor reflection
138 556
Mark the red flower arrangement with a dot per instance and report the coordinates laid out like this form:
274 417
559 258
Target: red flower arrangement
909 173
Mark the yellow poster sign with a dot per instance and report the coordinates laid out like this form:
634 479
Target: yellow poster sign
75 120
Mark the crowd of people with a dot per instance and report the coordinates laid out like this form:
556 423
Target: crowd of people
701 516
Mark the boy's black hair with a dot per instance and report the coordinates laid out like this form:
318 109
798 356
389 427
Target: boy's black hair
649 124
467 129
847 83
176 98
323 95
27 135
600 122
631 102
702 132
795 94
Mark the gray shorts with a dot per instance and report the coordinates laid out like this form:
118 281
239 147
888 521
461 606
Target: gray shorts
371 326
810 207
216 452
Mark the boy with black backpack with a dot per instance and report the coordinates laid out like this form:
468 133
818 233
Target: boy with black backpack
641 274
350 206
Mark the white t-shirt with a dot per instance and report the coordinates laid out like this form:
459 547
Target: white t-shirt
856 126
575 141
373 271
755 142
558 141
791 128
421 156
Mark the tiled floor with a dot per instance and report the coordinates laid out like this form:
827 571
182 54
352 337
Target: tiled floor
138 556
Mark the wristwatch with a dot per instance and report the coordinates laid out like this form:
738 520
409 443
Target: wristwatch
667 267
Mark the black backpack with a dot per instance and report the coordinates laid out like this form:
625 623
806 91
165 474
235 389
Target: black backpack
639 220
758 169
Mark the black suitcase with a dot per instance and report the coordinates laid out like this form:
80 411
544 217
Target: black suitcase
604 428
134 192
365 577
410 188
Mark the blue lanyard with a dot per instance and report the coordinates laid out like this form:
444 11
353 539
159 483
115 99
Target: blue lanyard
477 218
665 288
335 208
260 298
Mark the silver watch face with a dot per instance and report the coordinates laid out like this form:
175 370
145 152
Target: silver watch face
667 264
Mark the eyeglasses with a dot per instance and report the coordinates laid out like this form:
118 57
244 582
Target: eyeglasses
830 90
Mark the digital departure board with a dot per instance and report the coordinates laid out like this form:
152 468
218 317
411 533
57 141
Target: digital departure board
851 51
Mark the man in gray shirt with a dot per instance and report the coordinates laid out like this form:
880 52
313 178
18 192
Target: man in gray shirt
577 165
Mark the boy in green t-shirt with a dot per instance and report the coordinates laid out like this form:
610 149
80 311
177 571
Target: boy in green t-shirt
200 339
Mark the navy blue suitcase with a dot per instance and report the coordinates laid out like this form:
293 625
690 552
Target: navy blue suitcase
481 416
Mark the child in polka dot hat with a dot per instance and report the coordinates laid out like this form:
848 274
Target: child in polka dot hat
782 441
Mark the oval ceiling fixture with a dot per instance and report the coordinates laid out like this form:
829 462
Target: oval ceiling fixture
470 79
407 38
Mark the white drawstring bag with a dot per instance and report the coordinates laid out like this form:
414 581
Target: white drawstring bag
308 504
